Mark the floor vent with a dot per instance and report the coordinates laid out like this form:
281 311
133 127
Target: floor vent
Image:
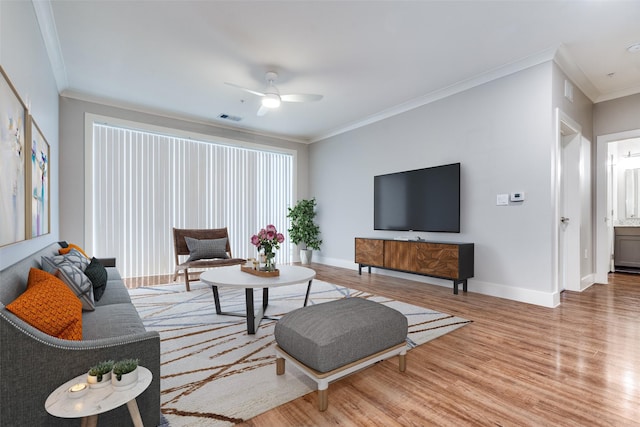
230 117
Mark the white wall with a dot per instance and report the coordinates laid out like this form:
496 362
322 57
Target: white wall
502 133
24 59
72 149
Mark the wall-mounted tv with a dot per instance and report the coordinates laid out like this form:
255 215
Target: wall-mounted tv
418 200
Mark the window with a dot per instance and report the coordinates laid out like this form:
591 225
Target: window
144 183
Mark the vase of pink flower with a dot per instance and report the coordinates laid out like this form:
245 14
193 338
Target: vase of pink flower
267 241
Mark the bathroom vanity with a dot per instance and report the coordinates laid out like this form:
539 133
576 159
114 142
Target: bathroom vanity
626 254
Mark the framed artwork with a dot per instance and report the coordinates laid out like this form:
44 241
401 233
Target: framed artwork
39 203
13 113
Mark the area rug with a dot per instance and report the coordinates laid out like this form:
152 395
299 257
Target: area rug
214 374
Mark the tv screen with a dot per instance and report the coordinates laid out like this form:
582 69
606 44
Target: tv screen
419 200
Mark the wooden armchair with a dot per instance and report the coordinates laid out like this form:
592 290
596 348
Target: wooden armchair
181 248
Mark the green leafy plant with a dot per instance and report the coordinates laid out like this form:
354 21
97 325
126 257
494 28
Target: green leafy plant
101 368
125 366
303 229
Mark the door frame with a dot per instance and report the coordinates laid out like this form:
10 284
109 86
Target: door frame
603 220
564 125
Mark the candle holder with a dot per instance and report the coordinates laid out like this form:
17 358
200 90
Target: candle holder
78 390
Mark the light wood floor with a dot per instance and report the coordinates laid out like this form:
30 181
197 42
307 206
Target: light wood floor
515 365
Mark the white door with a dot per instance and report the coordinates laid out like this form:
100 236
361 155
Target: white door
569 219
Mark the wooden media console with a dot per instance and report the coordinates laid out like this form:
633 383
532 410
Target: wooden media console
444 260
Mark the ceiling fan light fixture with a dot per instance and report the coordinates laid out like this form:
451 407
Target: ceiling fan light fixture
271 100
634 48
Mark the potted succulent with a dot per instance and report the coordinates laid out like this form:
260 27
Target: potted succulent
125 373
303 230
100 375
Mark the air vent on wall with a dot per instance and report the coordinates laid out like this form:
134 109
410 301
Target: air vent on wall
229 117
568 90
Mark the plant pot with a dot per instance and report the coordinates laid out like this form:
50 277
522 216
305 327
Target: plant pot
305 256
99 381
126 380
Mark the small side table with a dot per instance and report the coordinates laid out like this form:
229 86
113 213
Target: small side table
97 400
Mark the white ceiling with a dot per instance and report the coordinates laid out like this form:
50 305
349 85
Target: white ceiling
370 59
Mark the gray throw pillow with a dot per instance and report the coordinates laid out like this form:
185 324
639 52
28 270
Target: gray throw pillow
206 248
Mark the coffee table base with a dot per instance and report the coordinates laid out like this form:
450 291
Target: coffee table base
253 318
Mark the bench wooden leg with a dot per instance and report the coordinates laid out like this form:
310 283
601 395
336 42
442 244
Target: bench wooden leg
402 362
280 366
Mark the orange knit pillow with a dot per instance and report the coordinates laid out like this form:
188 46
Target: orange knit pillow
50 306
64 251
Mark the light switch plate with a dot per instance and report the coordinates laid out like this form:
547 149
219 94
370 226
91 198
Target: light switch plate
502 199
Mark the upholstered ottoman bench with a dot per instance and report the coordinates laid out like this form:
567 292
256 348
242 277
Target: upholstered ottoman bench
331 340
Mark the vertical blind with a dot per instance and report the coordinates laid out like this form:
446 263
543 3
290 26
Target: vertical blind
144 184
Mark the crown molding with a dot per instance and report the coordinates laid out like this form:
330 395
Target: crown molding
566 63
47 24
80 96
505 70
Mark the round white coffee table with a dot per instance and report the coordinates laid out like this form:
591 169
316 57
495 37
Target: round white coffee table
97 400
234 277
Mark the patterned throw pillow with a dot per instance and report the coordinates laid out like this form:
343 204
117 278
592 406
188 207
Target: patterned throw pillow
98 276
50 264
206 249
50 306
78 282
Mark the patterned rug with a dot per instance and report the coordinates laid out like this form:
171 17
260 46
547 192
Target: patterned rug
215 374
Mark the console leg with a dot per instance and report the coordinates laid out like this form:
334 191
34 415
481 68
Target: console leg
455 287
360 269
464 285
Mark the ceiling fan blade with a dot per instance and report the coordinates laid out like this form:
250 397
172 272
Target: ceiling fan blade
262 111
300 97
245 89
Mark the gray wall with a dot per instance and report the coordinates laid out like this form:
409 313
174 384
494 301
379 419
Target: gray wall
72 151
24 59
618 115
502 133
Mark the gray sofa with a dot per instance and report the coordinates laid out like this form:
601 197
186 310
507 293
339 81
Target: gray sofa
33 364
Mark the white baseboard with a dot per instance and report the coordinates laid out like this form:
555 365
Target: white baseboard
529 296
587 281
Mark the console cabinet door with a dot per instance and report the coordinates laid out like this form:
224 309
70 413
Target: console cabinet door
399 255
437 259
370 252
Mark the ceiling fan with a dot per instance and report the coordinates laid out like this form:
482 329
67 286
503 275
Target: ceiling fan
271 97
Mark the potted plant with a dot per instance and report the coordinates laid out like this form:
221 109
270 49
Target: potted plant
125 373
303 230
100 375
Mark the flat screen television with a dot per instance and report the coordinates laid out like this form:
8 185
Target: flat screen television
418 200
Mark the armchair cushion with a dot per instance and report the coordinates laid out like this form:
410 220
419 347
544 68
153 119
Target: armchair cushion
206 248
